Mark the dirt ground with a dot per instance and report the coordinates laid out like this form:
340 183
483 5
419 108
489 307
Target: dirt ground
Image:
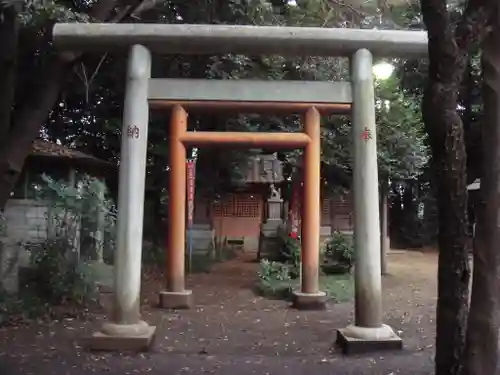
231 331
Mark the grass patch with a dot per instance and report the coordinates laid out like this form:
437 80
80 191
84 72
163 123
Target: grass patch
339 288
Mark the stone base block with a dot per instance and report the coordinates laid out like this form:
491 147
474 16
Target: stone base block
357 340
176 300
309 301
136 340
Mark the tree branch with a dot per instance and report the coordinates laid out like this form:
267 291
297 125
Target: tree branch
472 28
29 118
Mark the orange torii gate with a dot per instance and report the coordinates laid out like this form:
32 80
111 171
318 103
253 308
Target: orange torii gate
308 98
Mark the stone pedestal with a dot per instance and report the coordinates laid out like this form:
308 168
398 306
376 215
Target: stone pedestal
269 229
273 220
309 301
274 209
176 300
357 340
121 337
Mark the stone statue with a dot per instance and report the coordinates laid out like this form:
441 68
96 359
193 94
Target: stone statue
275 193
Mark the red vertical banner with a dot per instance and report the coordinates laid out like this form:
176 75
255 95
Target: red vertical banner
191 176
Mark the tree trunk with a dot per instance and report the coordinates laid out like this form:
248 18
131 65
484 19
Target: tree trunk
453 266
27 122
43 97
484 319
446 136
9 33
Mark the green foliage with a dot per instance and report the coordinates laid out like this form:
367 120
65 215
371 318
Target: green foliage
402 151
36 13
288 251
270 270
413 219
82 214
56 279
277 276
280 276
58 275
275 279
338 253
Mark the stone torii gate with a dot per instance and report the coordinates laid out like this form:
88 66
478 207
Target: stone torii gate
126 330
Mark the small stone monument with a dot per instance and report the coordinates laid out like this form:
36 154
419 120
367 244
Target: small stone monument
269 229
274 203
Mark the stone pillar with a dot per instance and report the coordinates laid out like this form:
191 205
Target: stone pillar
176 296
125 330
268 237
274 209
310 297
384 235
368 332
273 220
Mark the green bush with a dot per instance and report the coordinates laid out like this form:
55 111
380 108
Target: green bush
270 271
275 279
77 215
55 278
288 252
83 213
338 254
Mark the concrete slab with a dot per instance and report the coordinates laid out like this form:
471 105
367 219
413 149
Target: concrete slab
176 300
103 342
353 345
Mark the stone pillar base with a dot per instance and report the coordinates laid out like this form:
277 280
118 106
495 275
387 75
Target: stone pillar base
119 337
309 301
176 300
356 340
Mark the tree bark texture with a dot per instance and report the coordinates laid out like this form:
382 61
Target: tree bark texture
9 32
484 319
448 56
27 121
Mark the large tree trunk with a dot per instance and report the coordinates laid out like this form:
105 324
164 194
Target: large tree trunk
448 56
484 318
449 163
28 121
446 137
9 32
47 85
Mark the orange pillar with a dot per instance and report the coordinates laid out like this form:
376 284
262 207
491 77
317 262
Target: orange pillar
309 296
176 296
